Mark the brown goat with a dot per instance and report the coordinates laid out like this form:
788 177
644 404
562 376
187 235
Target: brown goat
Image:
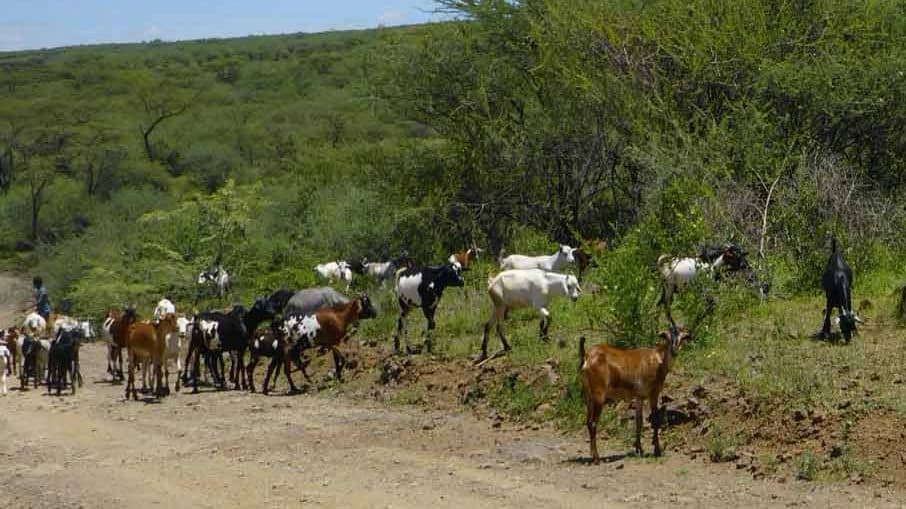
465 258
610 373
147 340
326 329
587 251
11 336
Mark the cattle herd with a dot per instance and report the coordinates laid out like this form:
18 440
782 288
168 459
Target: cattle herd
287 327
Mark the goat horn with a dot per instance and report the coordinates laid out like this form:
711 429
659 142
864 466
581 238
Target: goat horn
858 319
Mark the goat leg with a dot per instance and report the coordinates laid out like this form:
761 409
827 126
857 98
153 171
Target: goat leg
338 362
593 411
638 427
655 419
250 373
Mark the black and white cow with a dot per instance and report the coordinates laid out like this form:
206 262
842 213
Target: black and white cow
423 287
837 281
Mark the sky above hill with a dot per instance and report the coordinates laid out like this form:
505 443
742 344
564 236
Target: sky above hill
33 24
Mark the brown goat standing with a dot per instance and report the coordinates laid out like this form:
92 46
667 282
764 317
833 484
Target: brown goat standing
147 341
635 375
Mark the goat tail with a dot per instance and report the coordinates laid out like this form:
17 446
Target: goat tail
581 352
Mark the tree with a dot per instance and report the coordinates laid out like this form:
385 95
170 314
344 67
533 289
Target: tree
41 161
160 101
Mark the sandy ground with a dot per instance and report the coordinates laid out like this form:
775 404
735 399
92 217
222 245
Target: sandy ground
231 449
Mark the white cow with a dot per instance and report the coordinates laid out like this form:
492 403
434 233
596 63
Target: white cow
550 263
525 288
333 271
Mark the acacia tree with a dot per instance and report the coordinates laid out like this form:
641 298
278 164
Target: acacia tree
160 100
41 161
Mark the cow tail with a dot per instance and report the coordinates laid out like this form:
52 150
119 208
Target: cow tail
833 244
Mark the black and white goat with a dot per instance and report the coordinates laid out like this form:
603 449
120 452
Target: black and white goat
837 281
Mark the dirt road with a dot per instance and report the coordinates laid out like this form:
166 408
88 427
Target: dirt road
232 449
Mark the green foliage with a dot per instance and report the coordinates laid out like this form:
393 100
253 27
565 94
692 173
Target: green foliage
721 446
807 466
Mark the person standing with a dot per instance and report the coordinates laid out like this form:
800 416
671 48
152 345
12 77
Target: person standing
42 300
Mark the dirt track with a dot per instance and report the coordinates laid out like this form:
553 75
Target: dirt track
229 449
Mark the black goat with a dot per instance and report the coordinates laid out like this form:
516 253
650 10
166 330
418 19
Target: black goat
837 281
63 359
214 333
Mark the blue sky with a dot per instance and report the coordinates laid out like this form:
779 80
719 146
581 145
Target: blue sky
31 24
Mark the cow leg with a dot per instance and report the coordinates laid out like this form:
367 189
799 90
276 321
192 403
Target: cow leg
400 326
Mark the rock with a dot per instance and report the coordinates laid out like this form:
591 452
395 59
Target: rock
391 371
698 391
552 376
544 408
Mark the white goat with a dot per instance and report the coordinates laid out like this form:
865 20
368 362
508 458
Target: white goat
676 273
523 288
35 325
332 271
550 263
6 361
164 306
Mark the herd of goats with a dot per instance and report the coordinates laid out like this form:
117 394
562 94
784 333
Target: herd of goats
47 350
